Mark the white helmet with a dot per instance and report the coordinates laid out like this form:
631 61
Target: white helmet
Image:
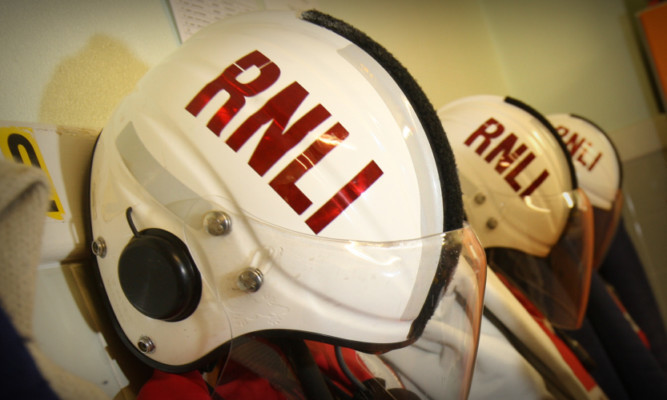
521 198
598 168
273 176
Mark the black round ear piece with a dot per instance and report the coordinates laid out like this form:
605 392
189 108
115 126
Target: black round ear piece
157 274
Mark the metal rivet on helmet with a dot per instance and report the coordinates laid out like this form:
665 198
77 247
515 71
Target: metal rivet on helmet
250 280
217 223
146 345
99 247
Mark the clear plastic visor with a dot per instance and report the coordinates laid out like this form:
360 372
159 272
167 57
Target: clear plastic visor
558 283
408 300
439 365
606 224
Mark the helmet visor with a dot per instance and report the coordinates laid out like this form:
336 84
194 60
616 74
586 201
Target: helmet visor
606 223
558 283
371 296
439 364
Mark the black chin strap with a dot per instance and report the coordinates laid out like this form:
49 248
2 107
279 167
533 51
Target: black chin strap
289 367
346 370
305 368
550 379
315 385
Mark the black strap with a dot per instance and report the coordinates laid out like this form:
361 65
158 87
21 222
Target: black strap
579 351
289 366
554 385
305 368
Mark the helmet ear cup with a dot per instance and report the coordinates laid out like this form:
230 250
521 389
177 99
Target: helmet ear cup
158 276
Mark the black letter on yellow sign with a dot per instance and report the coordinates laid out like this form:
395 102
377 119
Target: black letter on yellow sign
23 151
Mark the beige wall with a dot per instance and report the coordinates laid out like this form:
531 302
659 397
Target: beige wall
446 45
556 56
572 55
69 62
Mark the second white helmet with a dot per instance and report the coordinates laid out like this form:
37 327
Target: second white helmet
521 197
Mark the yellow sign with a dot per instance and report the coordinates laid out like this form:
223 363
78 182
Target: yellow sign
18 145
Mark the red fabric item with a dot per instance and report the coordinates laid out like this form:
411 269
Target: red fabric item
243 384
246 386
191 386
166 386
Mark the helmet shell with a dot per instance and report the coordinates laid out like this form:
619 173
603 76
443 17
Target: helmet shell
504 157
331 179
599 172
521 197
594 156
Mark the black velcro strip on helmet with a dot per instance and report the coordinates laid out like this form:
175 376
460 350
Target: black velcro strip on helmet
611 143
440 147
552 130
444 158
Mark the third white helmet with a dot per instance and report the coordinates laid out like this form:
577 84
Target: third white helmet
599 173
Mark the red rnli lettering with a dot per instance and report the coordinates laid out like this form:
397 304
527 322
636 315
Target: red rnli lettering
280 137
509 156
284 182
275 143
483 132
491 130
581 150
345 196
572 143
268 75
